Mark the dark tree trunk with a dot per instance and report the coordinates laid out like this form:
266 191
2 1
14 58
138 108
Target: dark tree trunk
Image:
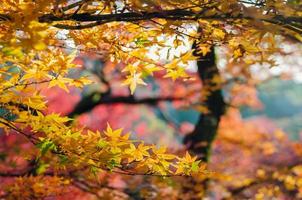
200 140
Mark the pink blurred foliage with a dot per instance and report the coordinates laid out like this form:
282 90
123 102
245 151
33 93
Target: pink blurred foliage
59 101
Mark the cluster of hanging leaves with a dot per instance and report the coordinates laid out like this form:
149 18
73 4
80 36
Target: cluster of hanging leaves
31 60
130 30
22 106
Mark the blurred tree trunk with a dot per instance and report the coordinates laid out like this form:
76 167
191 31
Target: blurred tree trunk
200 140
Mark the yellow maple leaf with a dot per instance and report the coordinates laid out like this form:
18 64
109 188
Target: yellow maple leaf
115 134
133 80
138 153
60 82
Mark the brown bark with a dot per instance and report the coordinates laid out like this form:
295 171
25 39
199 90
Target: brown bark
200 140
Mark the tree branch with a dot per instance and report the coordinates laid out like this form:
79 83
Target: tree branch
87 103
292 22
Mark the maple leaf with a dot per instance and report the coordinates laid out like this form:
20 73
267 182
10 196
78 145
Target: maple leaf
203 49
137 153
133 80
188 165
60 82
179 72
115 134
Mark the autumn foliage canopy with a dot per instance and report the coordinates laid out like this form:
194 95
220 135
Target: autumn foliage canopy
75 74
